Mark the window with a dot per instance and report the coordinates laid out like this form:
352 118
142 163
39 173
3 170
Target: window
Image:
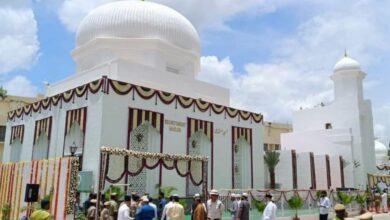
2 133
277 147
265 147
328 126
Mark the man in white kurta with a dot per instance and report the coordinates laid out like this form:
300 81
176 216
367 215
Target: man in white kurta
124 209
269 212
384 201
324 205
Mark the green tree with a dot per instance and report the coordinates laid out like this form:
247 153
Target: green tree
295 202
3 93
271 159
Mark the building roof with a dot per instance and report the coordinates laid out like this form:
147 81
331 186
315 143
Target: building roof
138 20
346 63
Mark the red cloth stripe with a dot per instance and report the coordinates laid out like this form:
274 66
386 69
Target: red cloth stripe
67 187
58 186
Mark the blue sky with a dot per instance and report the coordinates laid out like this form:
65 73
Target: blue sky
274 55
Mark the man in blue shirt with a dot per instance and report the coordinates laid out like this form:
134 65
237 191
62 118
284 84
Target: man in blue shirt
146 212
161 204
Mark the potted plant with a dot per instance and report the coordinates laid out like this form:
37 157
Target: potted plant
6 209
361 200
259 205
113 189
295 202
344 198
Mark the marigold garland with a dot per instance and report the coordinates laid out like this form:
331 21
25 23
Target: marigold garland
72 189
137 154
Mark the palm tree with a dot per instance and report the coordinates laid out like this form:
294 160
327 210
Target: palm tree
271 159
3 93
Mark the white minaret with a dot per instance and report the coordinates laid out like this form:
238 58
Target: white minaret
355 112
348 80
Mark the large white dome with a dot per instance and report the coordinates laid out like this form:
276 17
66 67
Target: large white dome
138 19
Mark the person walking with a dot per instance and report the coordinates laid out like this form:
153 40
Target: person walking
324 205
105 214
214 206
270 210
146 212
161 204
175 211
340 212
91 212
199 211
244 209
43 213
124 209
384 201
234 206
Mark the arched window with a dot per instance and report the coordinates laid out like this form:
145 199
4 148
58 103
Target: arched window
199 144
145 138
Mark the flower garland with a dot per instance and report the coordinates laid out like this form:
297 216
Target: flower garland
20 187
160 156
67 186
72 188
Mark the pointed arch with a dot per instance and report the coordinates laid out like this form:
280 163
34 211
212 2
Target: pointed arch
153 124
41 143
207 128
242 138
199 145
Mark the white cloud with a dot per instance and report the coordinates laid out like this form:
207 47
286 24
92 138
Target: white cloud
272 89
71 12
19 44
20 86
297 73
204 14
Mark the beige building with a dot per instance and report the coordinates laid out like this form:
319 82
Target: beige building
272 132
8 104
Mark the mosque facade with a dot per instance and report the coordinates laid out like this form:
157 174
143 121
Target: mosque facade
135 88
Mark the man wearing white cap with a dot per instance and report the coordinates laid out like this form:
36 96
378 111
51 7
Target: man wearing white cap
146 212
244 208
234 206
214 206
175 211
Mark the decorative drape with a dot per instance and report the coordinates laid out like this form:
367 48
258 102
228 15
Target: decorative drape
56 178
76 115
42 126
195 125
138 117
67 96
328 176
374 179
199 145
342 171
185 165
246 133
17 132
313 171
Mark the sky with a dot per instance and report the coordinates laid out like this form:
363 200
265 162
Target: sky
275 56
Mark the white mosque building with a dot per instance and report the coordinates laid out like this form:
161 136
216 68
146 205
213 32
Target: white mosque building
135 88
343 127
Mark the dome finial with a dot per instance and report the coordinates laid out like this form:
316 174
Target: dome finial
345 52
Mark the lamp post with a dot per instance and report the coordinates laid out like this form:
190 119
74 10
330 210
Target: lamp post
73 149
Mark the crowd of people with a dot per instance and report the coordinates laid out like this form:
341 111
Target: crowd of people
137 207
